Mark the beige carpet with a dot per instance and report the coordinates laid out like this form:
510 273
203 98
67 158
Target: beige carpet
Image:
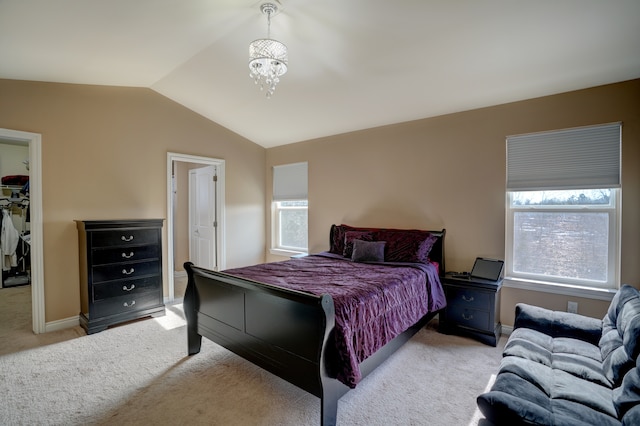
16 327
139 374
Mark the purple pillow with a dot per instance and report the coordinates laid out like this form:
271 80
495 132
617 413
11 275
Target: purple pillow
336 238
368 251
337 234
406 245
350 236
403 245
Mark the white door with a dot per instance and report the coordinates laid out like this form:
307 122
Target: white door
202 219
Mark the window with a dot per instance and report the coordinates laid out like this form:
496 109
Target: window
563 206
289 209
291 225
564 236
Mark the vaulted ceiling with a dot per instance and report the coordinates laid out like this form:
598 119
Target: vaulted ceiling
353 64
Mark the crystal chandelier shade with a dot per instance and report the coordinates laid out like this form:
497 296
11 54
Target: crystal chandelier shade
267 58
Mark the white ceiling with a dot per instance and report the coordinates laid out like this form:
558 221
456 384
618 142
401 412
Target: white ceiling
353 64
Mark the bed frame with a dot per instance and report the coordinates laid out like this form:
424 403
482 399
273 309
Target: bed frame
283 331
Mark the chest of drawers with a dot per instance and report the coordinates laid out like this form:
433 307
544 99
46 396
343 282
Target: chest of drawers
120 271
473 308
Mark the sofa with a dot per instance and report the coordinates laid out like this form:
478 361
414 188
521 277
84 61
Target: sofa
560 368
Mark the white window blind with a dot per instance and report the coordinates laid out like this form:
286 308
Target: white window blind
581 157
290 182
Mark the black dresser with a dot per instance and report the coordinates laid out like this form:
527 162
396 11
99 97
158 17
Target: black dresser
120 271
473 308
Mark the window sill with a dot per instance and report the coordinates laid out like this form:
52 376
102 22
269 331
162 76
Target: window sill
285 253
556 288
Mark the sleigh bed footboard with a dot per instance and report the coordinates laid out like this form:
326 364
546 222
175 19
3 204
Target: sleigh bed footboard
283 331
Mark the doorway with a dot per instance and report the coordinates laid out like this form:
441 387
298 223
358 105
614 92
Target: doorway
203 181
34 142
195 217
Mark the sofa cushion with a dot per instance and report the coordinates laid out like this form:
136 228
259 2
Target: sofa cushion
557 323
576 357
626 398
620 341
526 392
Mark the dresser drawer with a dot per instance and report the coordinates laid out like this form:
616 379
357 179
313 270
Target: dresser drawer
124 270
123 254
468 298
124 237
125 304
472 318
126 287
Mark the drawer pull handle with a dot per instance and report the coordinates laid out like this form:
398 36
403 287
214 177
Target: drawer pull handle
127 256
131 271
125 288
467 299
127 239
128 305
467 317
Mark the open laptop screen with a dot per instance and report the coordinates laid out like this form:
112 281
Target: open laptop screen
488 269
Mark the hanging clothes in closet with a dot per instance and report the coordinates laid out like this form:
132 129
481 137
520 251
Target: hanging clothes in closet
9 238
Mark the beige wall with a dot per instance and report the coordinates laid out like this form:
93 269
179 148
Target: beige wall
104 152
449 172
104 156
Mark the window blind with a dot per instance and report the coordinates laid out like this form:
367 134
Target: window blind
581 157
290 182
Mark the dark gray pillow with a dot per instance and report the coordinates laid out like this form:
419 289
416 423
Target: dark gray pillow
368 251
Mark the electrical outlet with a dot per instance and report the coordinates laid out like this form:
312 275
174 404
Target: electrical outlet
572 307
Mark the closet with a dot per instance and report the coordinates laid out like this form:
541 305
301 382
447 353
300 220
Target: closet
15 241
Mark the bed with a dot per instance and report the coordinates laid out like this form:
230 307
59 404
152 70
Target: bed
322 322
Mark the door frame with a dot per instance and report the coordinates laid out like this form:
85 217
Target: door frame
219 202
34 141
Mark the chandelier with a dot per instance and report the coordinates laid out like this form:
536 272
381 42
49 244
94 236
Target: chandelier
267 57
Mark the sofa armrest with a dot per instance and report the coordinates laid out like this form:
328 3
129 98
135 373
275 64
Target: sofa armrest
558 323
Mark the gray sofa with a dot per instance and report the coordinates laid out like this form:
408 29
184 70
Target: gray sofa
567 369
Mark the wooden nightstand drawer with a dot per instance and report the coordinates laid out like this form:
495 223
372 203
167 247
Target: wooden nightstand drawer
465 298
471 318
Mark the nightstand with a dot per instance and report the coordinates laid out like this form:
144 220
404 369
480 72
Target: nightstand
473 306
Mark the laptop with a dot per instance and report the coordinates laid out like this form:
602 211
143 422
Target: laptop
484 269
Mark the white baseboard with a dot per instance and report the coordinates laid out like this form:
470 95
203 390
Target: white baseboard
61 324
507 330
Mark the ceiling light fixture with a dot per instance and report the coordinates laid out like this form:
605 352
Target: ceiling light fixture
267 58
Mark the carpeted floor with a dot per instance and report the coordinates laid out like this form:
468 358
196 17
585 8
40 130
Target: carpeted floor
139 374
16 331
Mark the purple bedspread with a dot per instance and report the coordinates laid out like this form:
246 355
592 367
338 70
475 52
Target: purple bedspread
374 302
